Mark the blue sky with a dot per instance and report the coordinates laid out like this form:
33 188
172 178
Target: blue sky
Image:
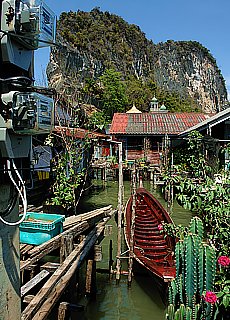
205 21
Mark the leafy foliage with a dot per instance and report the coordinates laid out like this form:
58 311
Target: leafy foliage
98 120
113 96
67 179
71 161
198 191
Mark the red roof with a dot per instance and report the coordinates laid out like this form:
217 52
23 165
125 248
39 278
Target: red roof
78 132
154 123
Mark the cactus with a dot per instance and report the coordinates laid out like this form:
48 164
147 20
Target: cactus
191 247
196 312
210 267
170 314
195 273
188 314
196 227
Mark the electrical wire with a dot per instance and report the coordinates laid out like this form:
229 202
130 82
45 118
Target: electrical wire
21 80
11 204
23 196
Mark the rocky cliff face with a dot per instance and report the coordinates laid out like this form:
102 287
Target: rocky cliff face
91 42
188 67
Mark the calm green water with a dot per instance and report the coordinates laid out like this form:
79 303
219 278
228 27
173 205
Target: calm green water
118 302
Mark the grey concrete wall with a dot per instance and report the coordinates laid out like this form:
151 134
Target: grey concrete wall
10 302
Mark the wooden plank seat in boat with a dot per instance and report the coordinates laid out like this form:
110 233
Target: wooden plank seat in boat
142 207
157 250
148 223
147 228
156 255
145 218
144 215
148 233
150 248
151 236
147 241
149 220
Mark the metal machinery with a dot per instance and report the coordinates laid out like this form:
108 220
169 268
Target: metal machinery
25 110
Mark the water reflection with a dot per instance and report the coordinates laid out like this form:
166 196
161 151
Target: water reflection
118 302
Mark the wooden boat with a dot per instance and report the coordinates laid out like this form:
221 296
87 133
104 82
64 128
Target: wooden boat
151 247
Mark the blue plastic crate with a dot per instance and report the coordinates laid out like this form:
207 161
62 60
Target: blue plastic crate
38 228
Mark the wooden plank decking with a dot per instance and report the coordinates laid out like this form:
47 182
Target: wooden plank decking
73 251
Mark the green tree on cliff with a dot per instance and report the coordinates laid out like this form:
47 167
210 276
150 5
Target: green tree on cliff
113 95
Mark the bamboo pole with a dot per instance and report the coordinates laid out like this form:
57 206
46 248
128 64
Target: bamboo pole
120 200
132 227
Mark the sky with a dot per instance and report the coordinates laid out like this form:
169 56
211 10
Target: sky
205 21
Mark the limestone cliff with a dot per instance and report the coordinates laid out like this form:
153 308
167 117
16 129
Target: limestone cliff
91 42
188 67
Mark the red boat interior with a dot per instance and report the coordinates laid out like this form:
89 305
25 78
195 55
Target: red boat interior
152 248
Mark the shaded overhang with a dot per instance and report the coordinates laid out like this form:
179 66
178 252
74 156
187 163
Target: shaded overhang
210 122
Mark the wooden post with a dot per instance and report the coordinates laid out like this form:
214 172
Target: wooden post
151 175
65 308
120 197
90 285
137 174
66 247
132 227
110 259
62 310
145 148
154 179
89 276
105 174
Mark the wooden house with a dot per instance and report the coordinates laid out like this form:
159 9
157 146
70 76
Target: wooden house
145 135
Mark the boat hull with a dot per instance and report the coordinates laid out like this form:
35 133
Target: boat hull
152 249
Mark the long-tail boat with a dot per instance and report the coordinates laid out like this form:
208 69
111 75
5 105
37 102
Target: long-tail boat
152 248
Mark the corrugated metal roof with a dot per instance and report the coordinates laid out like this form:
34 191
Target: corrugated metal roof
78 132
155 123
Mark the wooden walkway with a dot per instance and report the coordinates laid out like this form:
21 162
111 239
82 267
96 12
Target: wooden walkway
49 280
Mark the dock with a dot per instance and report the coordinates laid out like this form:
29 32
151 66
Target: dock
44 282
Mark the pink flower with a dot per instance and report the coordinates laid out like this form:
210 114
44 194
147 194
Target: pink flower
160 227
210 297
224 261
